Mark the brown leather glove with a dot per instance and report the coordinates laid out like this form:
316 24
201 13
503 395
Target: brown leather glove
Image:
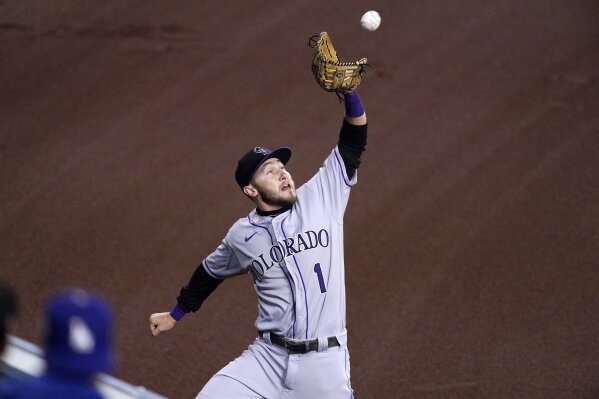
330 74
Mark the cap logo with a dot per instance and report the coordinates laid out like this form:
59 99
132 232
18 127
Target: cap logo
260 150
81 338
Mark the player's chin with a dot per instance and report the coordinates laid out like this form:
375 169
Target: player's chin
288 197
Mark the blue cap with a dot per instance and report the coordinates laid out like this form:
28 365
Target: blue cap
79 329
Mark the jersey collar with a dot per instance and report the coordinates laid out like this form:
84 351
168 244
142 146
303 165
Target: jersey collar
274 212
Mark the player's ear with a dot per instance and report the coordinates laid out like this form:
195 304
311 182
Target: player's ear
250 191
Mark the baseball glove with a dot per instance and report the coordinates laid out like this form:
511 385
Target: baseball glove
330 74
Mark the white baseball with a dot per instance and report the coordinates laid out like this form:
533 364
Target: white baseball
370 20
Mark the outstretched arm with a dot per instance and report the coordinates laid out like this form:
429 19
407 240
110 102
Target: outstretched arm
352 138
190 299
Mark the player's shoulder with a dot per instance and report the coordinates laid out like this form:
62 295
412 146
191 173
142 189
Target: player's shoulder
240 223
240 229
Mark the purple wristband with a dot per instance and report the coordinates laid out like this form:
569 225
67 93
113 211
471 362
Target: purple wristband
353 105
177 313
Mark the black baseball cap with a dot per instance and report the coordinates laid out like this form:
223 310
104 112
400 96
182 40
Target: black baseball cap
251 161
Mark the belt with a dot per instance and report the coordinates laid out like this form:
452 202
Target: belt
295 347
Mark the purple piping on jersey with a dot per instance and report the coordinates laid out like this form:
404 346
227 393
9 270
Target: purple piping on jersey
342 169
293 299
301 277
272 242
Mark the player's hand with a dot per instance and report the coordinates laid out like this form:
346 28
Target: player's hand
160 322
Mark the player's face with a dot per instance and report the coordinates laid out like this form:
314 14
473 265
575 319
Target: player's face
274 184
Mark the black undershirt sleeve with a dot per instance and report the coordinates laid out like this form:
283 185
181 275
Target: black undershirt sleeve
352 143
200 286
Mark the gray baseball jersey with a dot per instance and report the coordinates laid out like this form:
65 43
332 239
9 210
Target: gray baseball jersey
296 257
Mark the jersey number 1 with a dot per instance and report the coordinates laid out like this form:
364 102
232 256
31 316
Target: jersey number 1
318 272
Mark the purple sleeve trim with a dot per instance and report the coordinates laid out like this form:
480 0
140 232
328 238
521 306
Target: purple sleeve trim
345 179
353 105
177 313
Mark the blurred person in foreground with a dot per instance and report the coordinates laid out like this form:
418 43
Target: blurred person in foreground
78 344
8 313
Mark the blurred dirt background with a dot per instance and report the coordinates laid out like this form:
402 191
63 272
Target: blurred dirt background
472 237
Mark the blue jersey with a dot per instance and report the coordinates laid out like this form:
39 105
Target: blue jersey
47 387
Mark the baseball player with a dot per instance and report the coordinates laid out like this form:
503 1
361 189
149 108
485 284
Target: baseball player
292 244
